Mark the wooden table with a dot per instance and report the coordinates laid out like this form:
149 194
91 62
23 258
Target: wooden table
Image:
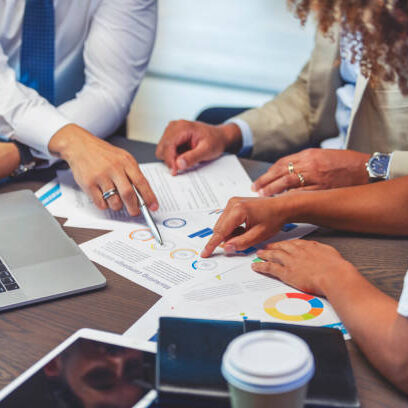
26 334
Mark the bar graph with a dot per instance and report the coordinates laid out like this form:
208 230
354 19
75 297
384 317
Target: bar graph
202 233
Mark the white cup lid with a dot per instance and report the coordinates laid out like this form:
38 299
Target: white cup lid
268 362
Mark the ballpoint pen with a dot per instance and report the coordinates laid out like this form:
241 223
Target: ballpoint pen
148 217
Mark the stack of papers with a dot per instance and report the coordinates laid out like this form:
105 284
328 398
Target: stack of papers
220 287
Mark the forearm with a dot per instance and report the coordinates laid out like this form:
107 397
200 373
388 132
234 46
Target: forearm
373 323
113 72
375 208
9 159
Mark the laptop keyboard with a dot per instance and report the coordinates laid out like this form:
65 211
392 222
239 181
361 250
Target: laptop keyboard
7 281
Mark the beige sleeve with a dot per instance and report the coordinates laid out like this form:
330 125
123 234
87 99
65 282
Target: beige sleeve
399 164
282 124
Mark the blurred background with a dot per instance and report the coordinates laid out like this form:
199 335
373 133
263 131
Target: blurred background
217 52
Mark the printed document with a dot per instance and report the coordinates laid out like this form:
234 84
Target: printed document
207 187
239 294
134 254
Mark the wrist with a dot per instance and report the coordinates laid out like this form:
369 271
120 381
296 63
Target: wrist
232 137
14 154
9 159
63 143
294 206
342 277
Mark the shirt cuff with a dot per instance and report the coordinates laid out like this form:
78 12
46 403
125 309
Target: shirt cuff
247 137
403 302
36 126
389 166
398 166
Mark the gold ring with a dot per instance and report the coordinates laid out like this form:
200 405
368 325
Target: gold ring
301 179
291 168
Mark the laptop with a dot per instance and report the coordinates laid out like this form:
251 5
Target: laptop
38 261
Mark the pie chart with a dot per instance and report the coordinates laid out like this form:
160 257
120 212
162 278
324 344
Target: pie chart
183 254
313 305
141 235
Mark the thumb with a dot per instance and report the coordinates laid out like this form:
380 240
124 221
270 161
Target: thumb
194 156
251 237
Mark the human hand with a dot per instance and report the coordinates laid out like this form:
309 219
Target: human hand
185 144
321 169
263 218
306 265
9 159
98 166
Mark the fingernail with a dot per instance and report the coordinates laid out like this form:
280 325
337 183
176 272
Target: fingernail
253 187
182 164
261 192
230 248
153 207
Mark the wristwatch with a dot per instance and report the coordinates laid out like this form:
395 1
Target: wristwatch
27 161
377 166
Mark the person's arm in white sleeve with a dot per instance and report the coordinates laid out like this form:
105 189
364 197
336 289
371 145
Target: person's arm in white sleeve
97 166
24 114
116 54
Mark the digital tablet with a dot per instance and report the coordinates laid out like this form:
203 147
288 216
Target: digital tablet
91 369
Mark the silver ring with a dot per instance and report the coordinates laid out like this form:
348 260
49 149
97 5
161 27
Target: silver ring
109 193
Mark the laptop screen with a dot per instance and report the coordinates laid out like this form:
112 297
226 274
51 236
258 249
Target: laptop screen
88 374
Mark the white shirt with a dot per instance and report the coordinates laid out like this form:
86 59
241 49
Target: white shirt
102 48
403 302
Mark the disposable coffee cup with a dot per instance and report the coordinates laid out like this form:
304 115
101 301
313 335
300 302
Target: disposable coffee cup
267 368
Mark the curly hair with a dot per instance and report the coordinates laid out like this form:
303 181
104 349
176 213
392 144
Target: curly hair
377 31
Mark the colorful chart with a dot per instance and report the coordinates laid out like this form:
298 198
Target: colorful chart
174 222
51 195
167 246
141 235
204 265
247 251
183 254
316 307
202 233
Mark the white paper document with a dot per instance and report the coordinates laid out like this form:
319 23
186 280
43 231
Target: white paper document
135 255
208 187
50 197
240 294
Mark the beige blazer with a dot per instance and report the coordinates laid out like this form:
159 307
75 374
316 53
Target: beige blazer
305 113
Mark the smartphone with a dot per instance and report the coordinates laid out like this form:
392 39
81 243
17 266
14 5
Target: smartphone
91 369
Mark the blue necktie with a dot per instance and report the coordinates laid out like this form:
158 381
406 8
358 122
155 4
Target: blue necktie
38 48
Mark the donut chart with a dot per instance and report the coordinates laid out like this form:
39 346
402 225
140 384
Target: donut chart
183 254
316 307
174 222
141 235
167 246
204 265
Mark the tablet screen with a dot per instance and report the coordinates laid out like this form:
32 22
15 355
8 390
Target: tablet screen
88 374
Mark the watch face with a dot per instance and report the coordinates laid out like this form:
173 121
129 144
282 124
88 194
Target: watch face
379 165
